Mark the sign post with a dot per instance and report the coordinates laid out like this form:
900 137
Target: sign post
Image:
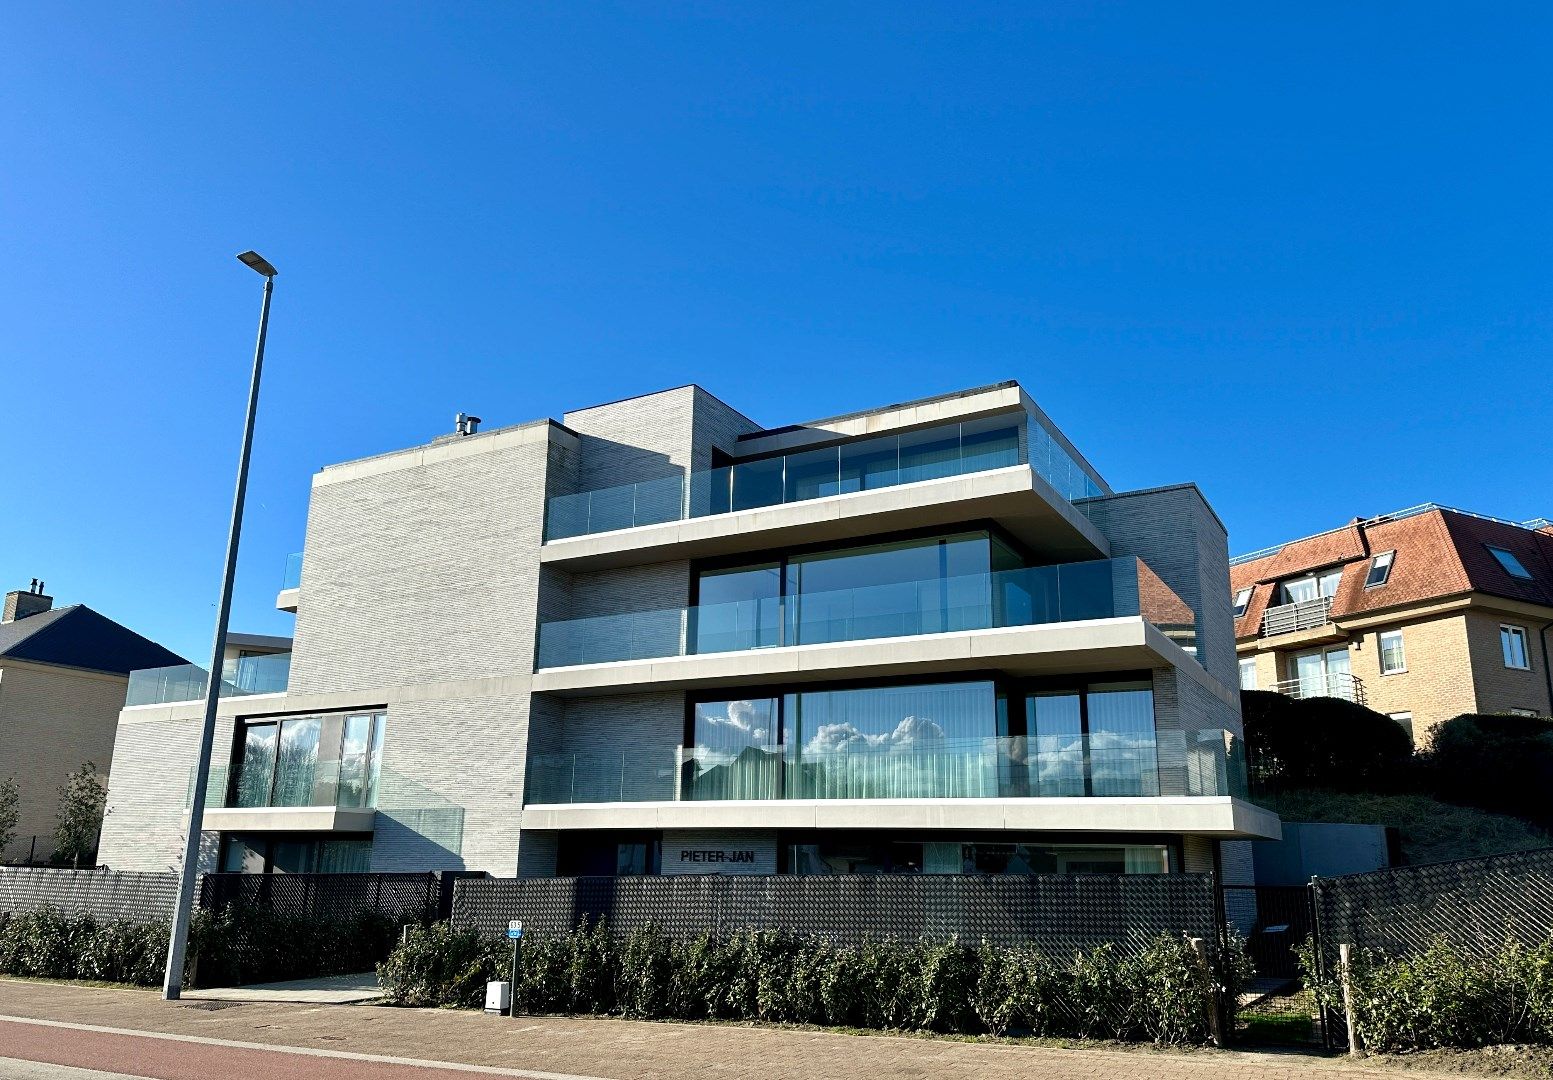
514 932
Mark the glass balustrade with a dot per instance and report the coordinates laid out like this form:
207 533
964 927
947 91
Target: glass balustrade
1070 592
266 674
857 465
292 578
1208 762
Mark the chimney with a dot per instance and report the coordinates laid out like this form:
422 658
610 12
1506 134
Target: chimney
19 605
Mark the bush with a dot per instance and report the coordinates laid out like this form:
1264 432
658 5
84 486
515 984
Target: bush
1156 991
1497 763
437 966
1446 996
1322 742
48 944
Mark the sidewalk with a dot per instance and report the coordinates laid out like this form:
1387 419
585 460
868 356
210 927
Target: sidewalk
574 1048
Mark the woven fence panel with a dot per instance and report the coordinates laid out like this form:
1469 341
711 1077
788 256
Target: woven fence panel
400 897
103 894
1474 903
1059 913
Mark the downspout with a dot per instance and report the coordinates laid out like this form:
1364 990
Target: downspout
1547 672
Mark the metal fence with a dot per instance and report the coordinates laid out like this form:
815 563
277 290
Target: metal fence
403 898
102 894
1059 913
1474 903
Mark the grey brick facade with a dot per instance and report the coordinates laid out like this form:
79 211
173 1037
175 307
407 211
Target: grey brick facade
425 580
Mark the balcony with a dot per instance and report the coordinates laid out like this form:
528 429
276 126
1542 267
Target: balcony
1178 763
307 796
1336 684
1302 615
863 464
290 583
267 674
1071 592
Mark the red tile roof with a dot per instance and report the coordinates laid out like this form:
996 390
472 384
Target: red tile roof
1440 553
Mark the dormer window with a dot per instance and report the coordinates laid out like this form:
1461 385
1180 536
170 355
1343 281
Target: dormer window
1311 586
1511 564
1380 569
1242 601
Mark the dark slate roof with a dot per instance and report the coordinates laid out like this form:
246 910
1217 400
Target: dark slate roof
78 637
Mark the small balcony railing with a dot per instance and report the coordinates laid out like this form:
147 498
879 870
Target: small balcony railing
1336 684
292 577
1070 592
1168 763
267 674
857 465
1301 615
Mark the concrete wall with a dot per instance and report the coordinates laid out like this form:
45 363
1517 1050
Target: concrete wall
52 721
1320 849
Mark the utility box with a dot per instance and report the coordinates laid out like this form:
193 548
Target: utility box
498 997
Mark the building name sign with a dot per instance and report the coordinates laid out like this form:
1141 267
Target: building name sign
715 855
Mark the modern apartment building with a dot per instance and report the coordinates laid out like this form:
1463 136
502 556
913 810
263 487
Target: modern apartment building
63 673
657 637
1423 614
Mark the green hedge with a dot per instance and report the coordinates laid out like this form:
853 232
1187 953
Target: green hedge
1447 997
241 945
46 944
1159 993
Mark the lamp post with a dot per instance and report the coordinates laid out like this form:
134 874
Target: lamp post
172 984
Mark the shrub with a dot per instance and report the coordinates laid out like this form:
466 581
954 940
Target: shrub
1498 763
1155 990
437 966
49 944
1446 996
1322 742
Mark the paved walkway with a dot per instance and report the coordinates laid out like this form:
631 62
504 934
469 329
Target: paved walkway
135 1033
326 990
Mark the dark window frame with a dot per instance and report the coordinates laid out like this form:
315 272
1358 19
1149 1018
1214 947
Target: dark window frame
1370 579
1510 562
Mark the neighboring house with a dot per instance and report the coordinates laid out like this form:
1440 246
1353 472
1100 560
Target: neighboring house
656 637
62 680
1423 614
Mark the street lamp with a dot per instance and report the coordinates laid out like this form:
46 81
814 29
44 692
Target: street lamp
172 984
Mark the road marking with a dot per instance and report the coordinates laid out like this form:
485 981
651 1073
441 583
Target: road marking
345 1055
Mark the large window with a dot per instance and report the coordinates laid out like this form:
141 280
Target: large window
1094 740
1512 640
1324 673
256 853
308 761
918 586
926 740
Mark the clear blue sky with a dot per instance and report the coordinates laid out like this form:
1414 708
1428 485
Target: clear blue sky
1298 254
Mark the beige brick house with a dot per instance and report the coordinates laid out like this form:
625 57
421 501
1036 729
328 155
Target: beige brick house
1422 614
63 675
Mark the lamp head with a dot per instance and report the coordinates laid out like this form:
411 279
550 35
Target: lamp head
257 262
